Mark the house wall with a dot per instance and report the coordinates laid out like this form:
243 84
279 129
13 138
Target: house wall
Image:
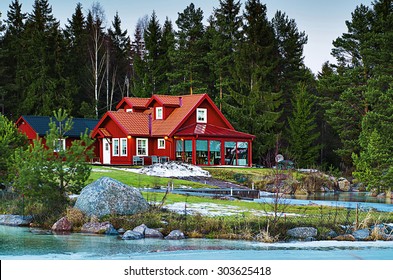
213 117
25 128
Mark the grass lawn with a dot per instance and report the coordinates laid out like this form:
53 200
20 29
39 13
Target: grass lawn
139 180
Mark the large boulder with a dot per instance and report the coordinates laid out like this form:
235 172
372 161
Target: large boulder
344 185
302 232
361 234
99 228
15 220
132 235
175 235
62 225
109 196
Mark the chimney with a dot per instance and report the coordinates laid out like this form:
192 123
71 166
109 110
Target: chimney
180 101
150 124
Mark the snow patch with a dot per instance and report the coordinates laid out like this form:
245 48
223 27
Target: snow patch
215 210
174 169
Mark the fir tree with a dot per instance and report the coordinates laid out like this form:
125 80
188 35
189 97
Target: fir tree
253 103
190 67
302 131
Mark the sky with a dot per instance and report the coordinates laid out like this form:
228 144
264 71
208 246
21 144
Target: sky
322 20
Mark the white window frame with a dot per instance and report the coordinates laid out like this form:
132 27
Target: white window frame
147 146
123 144
204 112
129 110
159 113
56 146
161 143
115 152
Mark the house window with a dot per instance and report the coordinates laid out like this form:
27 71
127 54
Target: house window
201 115
59 145
159 113
123 146
161 143
115 151
129 110
141 147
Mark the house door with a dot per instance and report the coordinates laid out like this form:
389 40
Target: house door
106 152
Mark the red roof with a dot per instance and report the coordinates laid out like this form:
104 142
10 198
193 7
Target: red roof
166 100
174 120
130 123
135 102
212 131
141 124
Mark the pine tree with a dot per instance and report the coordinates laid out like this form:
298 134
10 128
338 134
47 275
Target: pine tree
78 60
168 49
11 52
225 34
291 69
43 84
154 56
139 73
190 66
119 62
254 101
302 131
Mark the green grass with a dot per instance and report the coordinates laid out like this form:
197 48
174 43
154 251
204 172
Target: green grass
139 180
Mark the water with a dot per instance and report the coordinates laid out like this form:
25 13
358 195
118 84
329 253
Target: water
20 243
346 199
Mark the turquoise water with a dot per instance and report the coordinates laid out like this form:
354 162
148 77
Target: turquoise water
350 200
20 243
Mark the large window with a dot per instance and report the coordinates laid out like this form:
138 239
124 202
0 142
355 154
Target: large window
201 151
115 150
158 113
123 146
141 147
184 150
201 115
215 152
230 153
242 153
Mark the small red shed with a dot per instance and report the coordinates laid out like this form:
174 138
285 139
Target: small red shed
37 126
187 128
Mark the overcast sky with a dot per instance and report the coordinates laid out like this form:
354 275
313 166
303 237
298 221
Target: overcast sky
322 20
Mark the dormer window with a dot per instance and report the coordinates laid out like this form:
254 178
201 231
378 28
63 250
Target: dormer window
159 113
201 115
129 110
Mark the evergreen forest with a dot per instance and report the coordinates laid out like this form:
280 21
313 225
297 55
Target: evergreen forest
252 67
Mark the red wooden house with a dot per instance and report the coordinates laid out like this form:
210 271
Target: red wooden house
187 128
37 126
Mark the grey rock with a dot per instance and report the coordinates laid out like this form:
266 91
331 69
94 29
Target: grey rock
15 220
153 233
302 232
175 235
141 229
121 230
361 234
99 228
332 234
108 196
62 225
344 185
131 235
